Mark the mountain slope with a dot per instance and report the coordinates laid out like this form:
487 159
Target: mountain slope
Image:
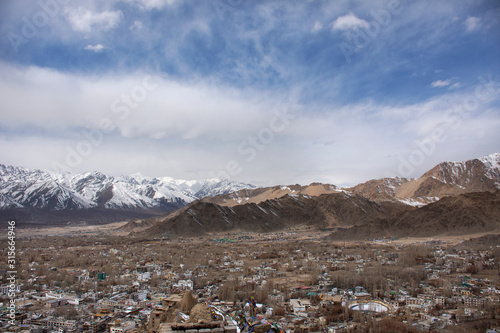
477 175
447 178
325 211
457 215
261 194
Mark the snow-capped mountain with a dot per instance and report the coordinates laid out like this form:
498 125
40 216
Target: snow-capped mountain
453 198
43 189
445 179
481 174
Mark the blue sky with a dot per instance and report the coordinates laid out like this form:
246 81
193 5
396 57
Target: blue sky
267 92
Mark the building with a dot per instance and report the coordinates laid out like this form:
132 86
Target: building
5 289
185 284
54 303
157 317
300 305
121 326
474 301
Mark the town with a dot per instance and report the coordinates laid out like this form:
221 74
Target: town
292 281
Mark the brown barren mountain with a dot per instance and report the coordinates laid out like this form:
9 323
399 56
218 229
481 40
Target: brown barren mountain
267 193
462 214
385 207
325 211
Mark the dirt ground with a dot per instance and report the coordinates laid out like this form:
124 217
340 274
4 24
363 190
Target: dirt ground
89 230
451 240
295 234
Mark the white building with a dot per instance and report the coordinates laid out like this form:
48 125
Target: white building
299 305
185 284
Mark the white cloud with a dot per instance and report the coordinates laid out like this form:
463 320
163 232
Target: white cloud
172 109
472 23
84 20
94 48
317 26
441 83
452 82
136 26
187 130
348 22
152 4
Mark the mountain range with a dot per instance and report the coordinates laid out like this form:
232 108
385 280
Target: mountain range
445 179
467 213
451 197
325 211
49 195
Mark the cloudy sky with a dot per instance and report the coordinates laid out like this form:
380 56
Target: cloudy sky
265 92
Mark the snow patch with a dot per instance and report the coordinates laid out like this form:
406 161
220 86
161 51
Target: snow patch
412 202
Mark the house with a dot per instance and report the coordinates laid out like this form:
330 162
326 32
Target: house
185 284
440 300
53 303
157 316
474 301
300 305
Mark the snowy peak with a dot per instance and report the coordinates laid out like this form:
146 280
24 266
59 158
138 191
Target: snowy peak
492 161
445 179
482 174
25 188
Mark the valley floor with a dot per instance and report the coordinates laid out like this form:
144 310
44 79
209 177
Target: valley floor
86 278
